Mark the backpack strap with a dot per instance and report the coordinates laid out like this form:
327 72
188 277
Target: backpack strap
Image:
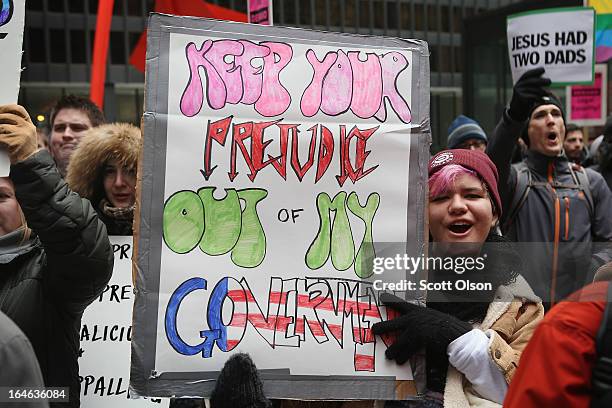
581 178
602 372
521 190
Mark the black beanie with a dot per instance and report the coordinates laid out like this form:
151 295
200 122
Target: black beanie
239 385
548 99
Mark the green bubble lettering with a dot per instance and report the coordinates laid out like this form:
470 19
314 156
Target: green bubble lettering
183 221
366 253
250 249
333 237
222 219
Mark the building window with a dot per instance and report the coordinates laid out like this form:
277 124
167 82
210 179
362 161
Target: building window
117 48
36 45
58 45
78 50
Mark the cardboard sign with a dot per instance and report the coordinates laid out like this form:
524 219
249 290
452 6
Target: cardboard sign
260 12
587 105
560 40
12 17
276 161
106 331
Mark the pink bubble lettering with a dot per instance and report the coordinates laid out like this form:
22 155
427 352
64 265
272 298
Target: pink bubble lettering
237 71
341 81
311 99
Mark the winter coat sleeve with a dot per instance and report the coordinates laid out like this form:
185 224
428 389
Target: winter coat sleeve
601 224
470 355
78 253
19 364
563 344
500 148
511 333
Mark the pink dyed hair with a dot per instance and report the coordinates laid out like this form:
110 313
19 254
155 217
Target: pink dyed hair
442 180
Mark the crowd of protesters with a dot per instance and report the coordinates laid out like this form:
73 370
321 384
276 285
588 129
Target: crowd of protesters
525 182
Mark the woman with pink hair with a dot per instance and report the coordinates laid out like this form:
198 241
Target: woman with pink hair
473 338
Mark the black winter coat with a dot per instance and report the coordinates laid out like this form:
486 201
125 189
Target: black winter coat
47 282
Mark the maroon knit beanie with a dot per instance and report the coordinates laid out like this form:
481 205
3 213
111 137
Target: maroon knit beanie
474 160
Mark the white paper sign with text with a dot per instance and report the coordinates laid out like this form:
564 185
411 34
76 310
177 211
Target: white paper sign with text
560 40
104 362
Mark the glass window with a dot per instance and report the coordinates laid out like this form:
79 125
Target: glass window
35 5
134 7
58 45
117 48
93 6
77 47
76 6
36 45
55 6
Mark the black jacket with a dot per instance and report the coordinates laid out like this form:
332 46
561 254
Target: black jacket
553 217
47 282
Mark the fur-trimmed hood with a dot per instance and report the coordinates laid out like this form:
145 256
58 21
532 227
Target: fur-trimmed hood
120 141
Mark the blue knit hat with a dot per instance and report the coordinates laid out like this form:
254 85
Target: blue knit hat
462 129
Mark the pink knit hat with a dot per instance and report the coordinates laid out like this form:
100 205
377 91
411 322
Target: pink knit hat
474 160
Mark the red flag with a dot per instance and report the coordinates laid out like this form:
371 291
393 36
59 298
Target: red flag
195 8
101 39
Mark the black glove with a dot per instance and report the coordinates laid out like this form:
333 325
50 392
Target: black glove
419 326
528 89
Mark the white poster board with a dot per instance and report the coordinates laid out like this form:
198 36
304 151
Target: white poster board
12 17
276 161
561 40
106 330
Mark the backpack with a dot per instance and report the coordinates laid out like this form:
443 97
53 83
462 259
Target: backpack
602 371
524 183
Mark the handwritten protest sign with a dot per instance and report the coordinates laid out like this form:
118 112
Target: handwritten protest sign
106 332
560 40
260 11
276 161
586 105
12 17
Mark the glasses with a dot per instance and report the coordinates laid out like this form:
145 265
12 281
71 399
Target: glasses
473 144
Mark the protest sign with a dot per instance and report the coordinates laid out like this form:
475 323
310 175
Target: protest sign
106 331
587 105
275 162
260 12
12 17
560 40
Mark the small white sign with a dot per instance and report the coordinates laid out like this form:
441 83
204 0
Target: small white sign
106 332
560 40
12 16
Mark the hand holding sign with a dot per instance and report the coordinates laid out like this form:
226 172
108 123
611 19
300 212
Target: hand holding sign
530 87
17 133
419 326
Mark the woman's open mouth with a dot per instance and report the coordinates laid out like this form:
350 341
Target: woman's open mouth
460 228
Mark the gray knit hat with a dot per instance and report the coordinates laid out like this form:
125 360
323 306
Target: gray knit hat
462 129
